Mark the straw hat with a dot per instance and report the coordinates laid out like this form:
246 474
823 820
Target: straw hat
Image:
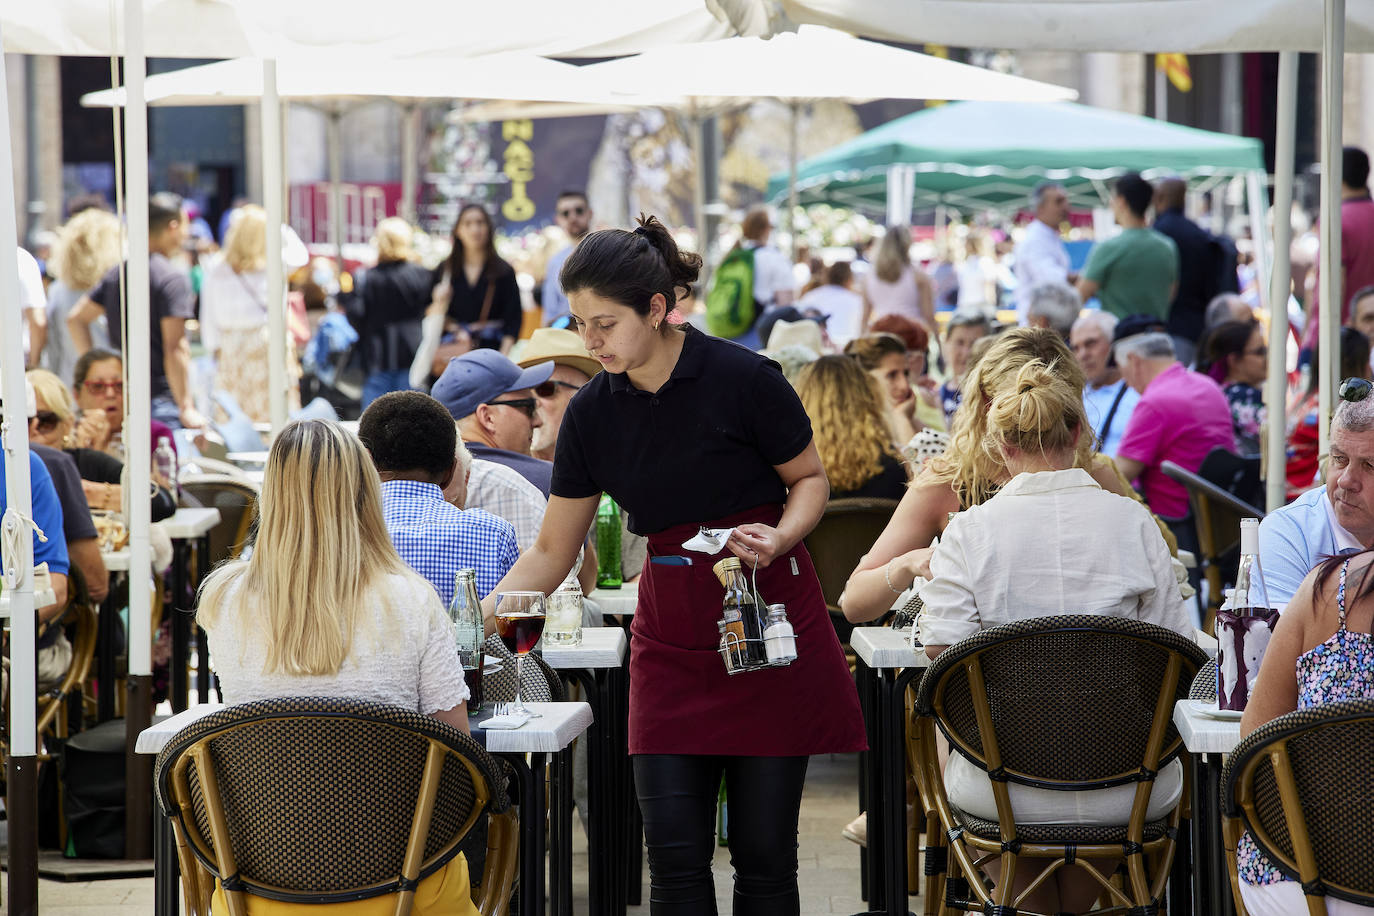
805 332
562 347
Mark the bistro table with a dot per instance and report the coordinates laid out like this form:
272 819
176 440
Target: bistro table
1207 738
527 748
619 601
601 666
888 664
184 527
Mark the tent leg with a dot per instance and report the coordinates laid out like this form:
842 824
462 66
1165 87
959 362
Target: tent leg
1280 277
335 185
410 165
138 768
276 290
21 810
1332 296
794 116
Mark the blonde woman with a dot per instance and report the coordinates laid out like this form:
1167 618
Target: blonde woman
234 317
897 287
87 247
324 607
851 428
1005 560
967 475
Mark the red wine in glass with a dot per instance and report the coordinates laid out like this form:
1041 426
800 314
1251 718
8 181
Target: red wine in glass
520 623
520 631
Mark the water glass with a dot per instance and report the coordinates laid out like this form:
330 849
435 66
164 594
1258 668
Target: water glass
563 626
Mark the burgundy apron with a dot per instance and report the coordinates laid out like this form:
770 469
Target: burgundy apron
681 699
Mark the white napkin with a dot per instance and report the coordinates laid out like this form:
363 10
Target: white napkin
708 540
510 720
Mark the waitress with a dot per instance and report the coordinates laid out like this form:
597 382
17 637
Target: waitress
685 430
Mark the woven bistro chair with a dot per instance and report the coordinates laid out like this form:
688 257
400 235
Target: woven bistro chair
313 801
1067 703
1204 686
237 501
1300 785
846 531
540 683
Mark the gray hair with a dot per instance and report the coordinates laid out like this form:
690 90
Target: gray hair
1038 193
1151 345
1056 302
1105 321
1354 416
463 456
1219 309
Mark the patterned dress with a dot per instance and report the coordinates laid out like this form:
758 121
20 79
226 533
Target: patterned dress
1342 668
1248 415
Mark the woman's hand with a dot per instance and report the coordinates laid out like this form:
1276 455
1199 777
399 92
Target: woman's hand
756 543
913 564
103 495
92 431
443 294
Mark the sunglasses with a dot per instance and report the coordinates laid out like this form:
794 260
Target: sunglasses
103 387
47 421
550 388
528 405
572 211
1355 389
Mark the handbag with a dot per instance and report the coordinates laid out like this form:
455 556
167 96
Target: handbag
476 335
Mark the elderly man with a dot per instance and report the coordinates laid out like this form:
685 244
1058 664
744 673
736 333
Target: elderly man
1226 307
1054 305
573 367
1181 416
1325 521
494 402
1107 399
1040 256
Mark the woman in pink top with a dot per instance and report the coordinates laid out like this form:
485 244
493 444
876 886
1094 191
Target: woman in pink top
895 286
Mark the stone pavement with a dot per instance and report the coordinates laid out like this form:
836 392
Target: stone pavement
828 863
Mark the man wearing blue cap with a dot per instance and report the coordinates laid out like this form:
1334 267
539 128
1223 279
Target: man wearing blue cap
494 402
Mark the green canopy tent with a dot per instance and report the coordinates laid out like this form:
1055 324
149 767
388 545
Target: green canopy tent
977 155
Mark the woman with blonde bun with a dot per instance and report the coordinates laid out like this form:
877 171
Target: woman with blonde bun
967 474
1050 541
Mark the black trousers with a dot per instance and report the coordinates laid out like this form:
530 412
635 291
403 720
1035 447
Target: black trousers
677 796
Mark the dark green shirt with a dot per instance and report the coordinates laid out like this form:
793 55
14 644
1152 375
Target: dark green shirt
1134 272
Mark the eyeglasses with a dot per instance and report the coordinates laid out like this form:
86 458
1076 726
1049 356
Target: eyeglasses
1355 389
550 388
572 211
47 421
528 405
98 388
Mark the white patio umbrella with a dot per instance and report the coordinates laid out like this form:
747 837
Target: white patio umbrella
812 63
1189 26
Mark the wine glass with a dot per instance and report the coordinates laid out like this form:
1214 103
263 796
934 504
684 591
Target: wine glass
520 623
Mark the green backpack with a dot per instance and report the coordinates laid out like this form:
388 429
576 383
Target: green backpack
730 306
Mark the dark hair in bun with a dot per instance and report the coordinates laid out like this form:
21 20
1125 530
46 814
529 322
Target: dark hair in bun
630 267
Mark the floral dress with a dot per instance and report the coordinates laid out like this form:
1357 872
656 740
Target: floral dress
1342 668
1247 416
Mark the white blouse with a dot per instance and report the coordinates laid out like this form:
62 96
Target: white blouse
1049 543
403 654
231 301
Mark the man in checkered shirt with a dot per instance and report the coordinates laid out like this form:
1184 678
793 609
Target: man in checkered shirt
412 440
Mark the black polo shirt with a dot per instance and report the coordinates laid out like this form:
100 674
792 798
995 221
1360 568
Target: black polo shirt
700 448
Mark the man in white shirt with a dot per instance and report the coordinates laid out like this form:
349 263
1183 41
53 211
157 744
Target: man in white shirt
772 271
33 303
1107 399
1040 256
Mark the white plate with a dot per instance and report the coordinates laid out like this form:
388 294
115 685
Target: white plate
1226 715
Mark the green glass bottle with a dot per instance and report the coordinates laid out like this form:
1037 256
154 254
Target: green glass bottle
608 543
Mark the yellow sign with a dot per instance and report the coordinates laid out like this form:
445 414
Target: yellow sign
519 169
1175 67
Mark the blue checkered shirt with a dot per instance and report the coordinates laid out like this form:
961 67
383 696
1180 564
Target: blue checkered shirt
436 538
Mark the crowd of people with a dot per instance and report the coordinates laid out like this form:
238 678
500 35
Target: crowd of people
1023 449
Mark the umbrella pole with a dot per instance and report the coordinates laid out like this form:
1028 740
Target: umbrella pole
1332 296
795 112
410 166
138 444
1280 278
335 185
270 112
697 125
21 798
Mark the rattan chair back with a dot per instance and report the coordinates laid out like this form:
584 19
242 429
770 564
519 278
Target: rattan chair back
1204 685
1301 786
846 531
317 801
237 502
1216 514
539 683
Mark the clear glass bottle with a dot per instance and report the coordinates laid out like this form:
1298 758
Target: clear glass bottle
465 611
1243 625
1249 598
608 543
731 643
778 639
563 610
740 599
165 464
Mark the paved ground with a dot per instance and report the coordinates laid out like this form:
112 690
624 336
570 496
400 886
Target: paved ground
829 864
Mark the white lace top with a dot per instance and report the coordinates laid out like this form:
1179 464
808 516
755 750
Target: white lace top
403 654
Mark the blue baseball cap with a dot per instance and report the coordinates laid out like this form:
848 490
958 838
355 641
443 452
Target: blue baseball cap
479 376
